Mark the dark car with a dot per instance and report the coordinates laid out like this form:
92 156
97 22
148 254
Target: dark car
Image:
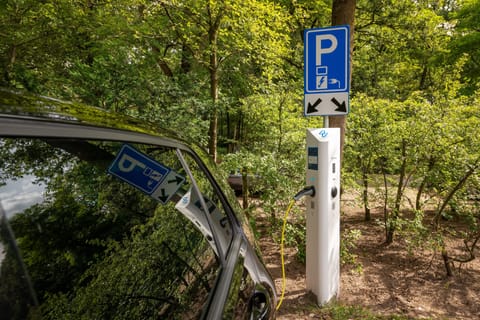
103 217
236 181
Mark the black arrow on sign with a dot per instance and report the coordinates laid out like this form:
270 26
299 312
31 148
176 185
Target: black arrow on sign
163 197
341 107
313 108
177 180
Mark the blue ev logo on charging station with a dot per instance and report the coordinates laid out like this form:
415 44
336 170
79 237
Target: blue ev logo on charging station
327 70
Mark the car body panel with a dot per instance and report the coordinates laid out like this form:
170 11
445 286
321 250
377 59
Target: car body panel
25 115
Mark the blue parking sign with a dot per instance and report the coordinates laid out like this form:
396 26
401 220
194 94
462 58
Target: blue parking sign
138 170
327 60
327 70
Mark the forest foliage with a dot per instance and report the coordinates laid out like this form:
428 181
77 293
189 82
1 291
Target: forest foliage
229 75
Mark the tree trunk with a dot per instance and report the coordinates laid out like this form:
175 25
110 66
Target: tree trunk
392 223
447 262
343 12
421 187
212 134
280 125
454 190
213 129
162 64
365 196
12 56
213 69
401 178
385 202
245 191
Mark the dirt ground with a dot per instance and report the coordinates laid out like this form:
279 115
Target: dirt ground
391 281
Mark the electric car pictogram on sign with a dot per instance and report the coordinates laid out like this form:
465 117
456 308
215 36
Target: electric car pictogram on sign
327 70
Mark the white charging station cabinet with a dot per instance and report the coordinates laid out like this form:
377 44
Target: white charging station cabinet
323 213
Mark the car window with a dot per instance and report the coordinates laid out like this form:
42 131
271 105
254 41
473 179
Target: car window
240 294
217 218
106 230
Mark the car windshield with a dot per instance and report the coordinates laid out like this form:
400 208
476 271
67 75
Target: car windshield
107 230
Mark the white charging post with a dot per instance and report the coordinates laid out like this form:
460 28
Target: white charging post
323 213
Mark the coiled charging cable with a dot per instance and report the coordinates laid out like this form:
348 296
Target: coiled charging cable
310 190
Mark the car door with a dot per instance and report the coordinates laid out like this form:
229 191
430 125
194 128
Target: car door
102 223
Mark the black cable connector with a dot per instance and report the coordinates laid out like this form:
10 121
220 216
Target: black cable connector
307 191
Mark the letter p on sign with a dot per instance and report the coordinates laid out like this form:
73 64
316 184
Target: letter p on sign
319 39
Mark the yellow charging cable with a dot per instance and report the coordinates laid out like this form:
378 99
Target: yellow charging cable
282 240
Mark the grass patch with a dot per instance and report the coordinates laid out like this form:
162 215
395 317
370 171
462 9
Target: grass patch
336 311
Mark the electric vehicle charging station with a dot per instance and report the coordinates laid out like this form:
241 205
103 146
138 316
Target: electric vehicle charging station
323 213
326 88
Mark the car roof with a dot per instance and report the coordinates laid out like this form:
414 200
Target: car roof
27 106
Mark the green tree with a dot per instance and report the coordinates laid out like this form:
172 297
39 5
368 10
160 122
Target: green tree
369 141
466 42
425 145
399 47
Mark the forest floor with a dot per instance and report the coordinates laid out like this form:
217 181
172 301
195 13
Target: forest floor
387 280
